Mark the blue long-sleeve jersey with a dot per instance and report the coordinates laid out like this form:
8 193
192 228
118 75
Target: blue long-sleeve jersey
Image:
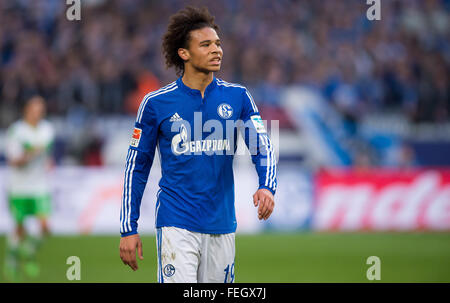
196 138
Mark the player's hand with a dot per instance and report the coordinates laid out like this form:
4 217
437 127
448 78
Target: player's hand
31 154
127 249
264 199
35 152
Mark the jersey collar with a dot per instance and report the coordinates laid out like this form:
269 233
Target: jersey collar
195 92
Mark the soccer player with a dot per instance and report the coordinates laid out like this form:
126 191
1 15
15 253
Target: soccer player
28 145
188 121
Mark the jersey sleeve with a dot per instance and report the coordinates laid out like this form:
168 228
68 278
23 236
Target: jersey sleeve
14 148
259 144
139 160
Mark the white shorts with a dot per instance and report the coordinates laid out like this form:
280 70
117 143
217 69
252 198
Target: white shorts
190 257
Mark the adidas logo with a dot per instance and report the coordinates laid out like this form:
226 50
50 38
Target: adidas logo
175 117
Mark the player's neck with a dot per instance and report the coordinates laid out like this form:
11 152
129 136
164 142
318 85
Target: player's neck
31 122
197 80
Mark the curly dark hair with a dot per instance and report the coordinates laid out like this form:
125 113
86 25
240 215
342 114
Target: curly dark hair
178 33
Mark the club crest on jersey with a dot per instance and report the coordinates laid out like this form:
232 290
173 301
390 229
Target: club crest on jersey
225 110
136 137
169 270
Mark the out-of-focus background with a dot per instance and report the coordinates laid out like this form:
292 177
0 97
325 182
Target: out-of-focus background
359 111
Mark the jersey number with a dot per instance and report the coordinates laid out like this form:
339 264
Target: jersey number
229 271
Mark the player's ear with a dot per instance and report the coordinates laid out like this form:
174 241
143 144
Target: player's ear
184 54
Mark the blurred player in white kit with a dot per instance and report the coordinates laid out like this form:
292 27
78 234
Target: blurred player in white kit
28 153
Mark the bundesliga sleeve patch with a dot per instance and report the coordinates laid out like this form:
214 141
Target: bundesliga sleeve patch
136 137
258 124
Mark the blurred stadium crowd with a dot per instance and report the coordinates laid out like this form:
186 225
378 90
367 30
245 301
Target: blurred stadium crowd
105 63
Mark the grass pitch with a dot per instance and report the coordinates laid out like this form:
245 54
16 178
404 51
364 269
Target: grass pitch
268 257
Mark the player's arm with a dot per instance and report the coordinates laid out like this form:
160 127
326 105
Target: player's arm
25 158
263 156
19 154
139 161
24 155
